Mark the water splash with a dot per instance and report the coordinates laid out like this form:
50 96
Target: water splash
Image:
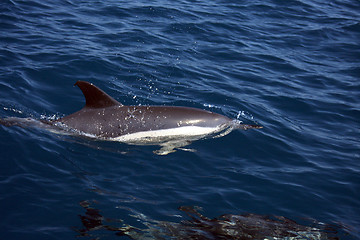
13 110
246 115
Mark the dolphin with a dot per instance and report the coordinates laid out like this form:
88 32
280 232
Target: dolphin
171 127
245 226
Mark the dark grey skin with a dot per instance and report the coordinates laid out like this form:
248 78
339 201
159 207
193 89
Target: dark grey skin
115 121
105 117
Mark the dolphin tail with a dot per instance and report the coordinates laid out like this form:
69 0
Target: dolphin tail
24 122
13 121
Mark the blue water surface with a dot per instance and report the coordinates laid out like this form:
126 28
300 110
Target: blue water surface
291 66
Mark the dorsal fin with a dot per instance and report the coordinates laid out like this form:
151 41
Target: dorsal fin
95 97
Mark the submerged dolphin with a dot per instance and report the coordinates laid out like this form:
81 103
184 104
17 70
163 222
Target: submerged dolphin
248 226
104 118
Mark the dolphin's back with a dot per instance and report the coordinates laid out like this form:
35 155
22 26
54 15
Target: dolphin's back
115 121
103 116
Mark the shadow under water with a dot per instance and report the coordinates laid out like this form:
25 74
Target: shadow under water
227 226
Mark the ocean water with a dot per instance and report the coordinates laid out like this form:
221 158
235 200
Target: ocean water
290 66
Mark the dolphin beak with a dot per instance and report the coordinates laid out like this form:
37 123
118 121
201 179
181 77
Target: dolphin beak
249 126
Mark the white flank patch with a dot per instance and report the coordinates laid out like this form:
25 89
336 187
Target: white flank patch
188 131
